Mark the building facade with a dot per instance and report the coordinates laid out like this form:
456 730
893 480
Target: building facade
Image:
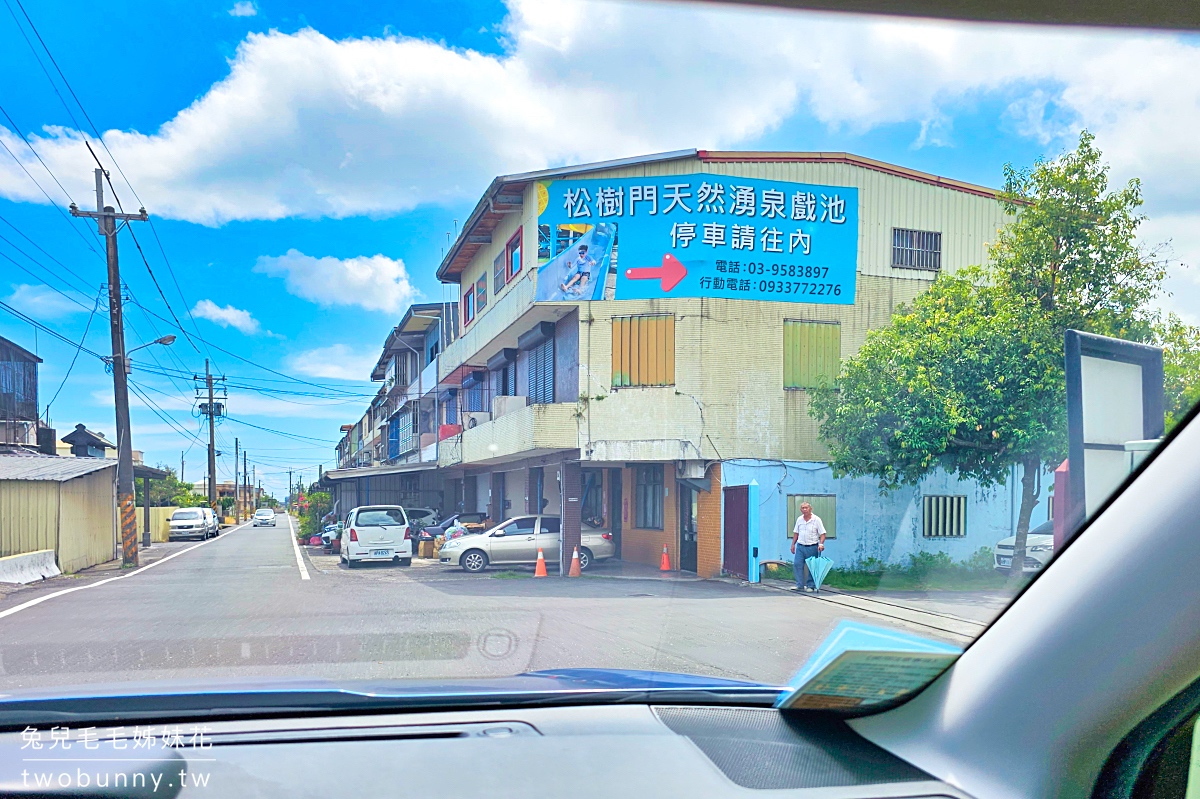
643 399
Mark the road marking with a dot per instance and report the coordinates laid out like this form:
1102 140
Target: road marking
296 546
139 570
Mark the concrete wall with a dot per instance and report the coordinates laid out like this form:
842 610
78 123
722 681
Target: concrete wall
870 525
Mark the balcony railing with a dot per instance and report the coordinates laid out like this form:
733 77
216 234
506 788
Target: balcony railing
503 312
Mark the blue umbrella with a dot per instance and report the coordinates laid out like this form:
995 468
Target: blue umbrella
818 567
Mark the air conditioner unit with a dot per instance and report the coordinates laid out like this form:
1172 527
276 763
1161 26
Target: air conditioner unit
475 418
503 405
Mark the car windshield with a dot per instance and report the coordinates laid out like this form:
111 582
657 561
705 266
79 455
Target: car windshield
792 328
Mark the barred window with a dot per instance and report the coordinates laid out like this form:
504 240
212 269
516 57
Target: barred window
944 516
916 249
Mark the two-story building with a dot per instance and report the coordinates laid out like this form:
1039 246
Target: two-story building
648 398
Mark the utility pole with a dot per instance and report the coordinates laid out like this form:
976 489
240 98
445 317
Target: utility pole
287 501
106 220
246 480
237 487
212 441
181 466
253 483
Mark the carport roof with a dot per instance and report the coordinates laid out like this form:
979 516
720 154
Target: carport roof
50 467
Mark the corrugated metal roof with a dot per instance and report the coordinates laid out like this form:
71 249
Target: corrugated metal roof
50 467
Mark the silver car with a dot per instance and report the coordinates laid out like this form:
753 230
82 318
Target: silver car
517 540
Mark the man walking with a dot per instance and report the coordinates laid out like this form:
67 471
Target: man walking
808 541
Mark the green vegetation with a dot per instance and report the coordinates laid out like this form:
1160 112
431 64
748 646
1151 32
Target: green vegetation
970 378
319 504
170 492
924 571
511 575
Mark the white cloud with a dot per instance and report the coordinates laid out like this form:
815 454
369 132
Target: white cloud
243 8
376 283
227 316
41 301
304 125
336 361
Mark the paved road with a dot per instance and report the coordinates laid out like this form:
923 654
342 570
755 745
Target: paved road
239 605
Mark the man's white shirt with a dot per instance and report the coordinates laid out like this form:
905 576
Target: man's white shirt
810 531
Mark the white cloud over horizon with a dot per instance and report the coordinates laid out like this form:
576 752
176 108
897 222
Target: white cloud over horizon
227 316
243 8
375 283
336 361
41 301
305 125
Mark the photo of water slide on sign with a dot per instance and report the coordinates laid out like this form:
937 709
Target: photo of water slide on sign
580 268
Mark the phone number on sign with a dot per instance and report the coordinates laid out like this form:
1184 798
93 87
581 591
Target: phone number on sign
799 287
787 270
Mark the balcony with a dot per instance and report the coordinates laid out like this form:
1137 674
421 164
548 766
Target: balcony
524 432
428 380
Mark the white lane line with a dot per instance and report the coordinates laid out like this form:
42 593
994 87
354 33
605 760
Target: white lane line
296 546
42 599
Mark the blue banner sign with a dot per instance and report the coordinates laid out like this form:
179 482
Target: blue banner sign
697 235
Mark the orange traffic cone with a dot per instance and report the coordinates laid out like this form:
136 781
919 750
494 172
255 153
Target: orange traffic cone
540 571
575 565
665 564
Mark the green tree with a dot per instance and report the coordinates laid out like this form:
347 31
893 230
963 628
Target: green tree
170 491
970 378
1181 366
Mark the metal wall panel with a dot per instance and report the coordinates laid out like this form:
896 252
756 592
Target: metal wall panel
812 353
87 528
28 516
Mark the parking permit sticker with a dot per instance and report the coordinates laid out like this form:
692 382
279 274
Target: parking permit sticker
857 679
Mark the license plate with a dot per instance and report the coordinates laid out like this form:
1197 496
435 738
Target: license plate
1003 561
380 553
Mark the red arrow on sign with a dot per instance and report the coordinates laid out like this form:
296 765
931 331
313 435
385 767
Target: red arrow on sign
670 273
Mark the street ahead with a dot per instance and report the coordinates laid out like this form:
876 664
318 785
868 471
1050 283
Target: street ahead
239 606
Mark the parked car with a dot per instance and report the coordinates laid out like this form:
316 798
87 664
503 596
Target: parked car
1039 548
517 540
376 533
192 523
469 520
264 517
426 516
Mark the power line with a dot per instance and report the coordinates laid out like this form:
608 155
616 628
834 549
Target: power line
280 432
52 332
49 199
17 129
22 234
74 357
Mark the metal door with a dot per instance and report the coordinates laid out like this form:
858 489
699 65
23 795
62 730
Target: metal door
687 528
736 533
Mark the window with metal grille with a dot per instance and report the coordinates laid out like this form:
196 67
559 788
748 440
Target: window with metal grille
406 440
823 505
648 496
812 353
506 380
541 373
916 249
643 350
944 516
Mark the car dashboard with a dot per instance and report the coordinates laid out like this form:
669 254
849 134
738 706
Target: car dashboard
581 750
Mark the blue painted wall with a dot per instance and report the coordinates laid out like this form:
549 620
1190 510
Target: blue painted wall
870 525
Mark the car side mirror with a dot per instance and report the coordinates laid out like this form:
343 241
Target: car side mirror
498 534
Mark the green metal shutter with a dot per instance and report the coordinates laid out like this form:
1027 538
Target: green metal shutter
823 505
812 353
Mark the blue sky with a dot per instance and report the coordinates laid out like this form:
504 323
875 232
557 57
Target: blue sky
304 162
